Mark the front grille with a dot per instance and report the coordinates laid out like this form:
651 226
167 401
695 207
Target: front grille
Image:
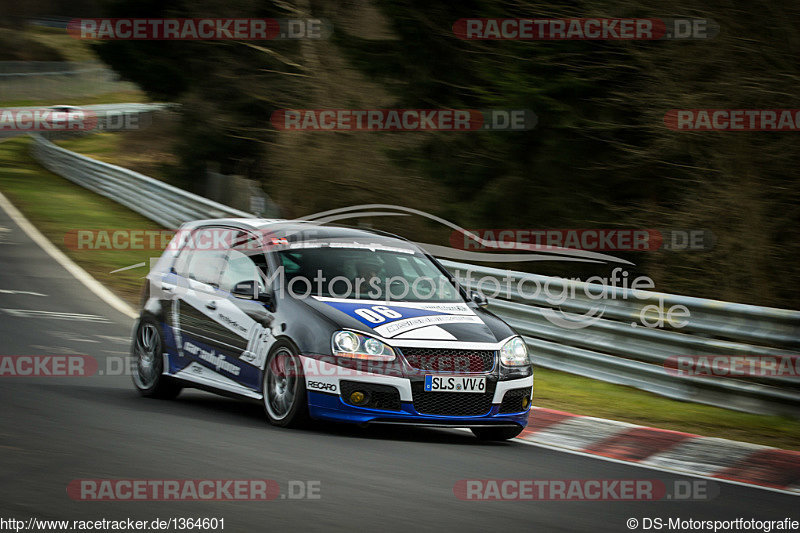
448 360
512 401
383 397
452 403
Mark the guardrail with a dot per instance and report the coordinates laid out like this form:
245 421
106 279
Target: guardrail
608 341
154 199
613 346
57 81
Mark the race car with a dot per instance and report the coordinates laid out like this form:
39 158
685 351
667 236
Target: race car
329 323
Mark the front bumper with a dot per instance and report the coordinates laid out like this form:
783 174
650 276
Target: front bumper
329 404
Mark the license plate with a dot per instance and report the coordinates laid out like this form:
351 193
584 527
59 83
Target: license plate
454 384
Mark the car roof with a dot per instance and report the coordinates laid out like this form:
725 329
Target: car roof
295 230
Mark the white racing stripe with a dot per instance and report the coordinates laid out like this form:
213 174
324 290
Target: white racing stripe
109 338
200 374
454 308
399 327
428 332
77 272
56 315
72 337
54 350
28 293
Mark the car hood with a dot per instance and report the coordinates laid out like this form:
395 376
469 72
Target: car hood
414 321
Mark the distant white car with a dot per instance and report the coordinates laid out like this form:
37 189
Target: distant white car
66 109
74 118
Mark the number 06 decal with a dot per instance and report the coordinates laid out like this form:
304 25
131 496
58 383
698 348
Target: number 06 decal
377 313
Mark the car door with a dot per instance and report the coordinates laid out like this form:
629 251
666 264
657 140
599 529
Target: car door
245 318
198 333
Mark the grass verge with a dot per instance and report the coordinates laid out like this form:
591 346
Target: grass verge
117 97
56 205
590 397
101 146
37 43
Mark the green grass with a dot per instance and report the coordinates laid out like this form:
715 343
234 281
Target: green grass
576 394
102 146
56 205
118 97
70 48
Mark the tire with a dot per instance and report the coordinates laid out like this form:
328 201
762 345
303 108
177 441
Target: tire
283 387
502 433
147 351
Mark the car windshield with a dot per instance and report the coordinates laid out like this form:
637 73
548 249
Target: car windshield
368 271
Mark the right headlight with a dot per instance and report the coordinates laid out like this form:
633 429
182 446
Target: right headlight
514 352
357 346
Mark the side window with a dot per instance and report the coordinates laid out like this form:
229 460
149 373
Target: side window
181 265
245 262
239 267
205 266
202 257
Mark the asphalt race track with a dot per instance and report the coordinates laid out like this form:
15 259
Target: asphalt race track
55 430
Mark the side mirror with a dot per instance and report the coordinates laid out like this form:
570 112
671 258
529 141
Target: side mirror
249 290
478 299
246 289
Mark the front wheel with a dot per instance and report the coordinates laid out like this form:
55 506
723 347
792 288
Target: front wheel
501 433
284 388
148 360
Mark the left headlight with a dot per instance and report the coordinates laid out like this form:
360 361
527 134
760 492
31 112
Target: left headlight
357 346
514 352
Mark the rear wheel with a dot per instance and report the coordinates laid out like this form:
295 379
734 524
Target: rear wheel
501 433
284 387
148 361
